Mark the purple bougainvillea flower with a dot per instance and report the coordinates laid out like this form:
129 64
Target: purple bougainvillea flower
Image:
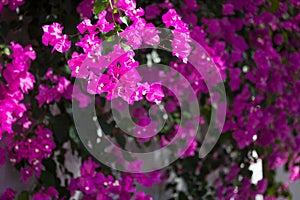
262 186
228 9
152 11
148 179
86 25
2 156
233 173
235 81
85 8
155 93
103 25
26 174
62 44
53 36
62 88
88 168
243 138
8 194
142 196
50 193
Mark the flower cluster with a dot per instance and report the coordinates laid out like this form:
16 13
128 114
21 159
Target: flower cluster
30 149
264 81
53 36
44 194
18 81
12 4
8 194
245 190
181 32
114 73
61 87
85 8
95 185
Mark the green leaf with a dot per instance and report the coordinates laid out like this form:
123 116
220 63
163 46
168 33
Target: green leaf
47 179
73 135
100 5
67 69
115 10
182 196
125 20
6 51
111 158
274 6
127 156
60 127
23 196
121 140
50 165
